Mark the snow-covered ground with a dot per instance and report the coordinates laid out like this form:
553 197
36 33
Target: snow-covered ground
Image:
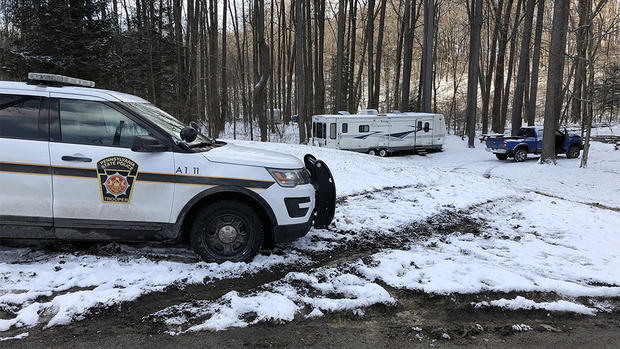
542 228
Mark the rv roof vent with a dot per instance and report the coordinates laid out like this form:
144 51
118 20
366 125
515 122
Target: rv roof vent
369 112
343 112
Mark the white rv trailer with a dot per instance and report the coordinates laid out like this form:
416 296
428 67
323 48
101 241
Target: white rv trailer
379 134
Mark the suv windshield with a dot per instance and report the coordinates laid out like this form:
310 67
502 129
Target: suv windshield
164 120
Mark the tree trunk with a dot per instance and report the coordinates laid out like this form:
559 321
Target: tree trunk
511 59
339 56
540 13
399 50
426 72
370 39
224 87
486 95
408 54
580 63
553 102
260 89
299 69
524 64
475 20
498 87
319 96
377 79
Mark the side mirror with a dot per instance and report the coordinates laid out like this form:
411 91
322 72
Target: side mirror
189 134
147 144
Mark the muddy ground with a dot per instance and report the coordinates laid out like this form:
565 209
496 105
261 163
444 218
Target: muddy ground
417 318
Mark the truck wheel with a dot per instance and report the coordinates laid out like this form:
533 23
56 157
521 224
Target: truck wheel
372 152
383 153
502 156
573 152
227 231
520 155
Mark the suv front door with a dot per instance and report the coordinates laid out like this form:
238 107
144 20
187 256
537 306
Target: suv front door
103 189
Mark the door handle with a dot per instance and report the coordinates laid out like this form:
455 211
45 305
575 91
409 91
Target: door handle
76 158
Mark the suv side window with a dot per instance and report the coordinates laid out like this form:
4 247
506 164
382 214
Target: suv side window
95 123
19 118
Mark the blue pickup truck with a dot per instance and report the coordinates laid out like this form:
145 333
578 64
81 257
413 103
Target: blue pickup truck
529 141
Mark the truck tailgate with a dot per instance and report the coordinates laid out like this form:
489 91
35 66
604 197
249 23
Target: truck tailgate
495 142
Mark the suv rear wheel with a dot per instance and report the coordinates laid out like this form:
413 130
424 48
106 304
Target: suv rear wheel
520 155
573 152
228 230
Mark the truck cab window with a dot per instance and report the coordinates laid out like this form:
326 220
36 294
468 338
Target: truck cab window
19 118
345 128
526 132
90 122
332 130
364 128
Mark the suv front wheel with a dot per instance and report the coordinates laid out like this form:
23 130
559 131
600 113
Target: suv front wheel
228 230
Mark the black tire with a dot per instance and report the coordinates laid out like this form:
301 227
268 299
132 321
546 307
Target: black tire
228 230
502 156
372 152
573 152
383 153
520 155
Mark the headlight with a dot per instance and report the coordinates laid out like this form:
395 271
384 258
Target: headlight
290 178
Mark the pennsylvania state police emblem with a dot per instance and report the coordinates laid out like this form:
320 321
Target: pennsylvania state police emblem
117 175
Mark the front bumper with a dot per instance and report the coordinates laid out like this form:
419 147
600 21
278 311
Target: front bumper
290 232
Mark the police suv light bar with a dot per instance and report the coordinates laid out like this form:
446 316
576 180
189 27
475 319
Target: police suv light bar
65 80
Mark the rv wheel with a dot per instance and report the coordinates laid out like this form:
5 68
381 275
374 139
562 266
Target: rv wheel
372 152
383 153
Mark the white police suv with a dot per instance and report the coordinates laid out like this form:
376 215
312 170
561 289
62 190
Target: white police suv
78 163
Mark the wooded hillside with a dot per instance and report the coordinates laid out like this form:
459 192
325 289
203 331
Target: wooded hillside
215 61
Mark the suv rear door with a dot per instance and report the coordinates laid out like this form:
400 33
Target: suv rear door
103 189
25 174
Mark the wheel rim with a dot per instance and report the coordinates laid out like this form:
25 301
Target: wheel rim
573 153
520 156
226 235
382 153
371 152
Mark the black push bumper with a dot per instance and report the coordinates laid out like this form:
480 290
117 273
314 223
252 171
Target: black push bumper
325 187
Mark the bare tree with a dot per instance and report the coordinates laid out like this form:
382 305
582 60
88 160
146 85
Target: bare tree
553 102
260 89
524 66
475 20
426 70
531 110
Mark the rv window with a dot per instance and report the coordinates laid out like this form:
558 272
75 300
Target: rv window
427 127
332 131
324 133
364 128
345 128
419 125
314 129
